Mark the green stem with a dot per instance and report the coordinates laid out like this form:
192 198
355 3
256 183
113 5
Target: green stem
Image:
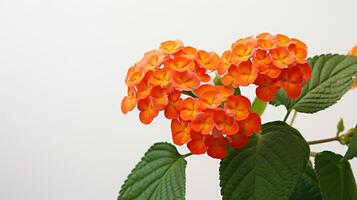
293 119
323 140
287 115
313 154
187 155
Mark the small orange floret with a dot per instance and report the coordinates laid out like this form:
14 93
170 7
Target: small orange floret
291 80
171 111
134 76
181 64
282 40
128 104
180 132
216 146
242 52
225 123
246 74
281 57
158 98
212 96
252 124
267 87
185 81
160 77
238 140
153 59
143 89
171 46
189 108
238 107
203 123
207 60
197 143
225 62
147 111
187 52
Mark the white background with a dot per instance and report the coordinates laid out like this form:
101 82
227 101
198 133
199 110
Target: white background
62 65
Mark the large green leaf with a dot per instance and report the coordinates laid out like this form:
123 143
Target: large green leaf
268 167
332 77
159 175
258 106
335 177
308 186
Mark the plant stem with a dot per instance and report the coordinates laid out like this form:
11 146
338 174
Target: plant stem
293 119
287 115
189 93
323 140
313 154
187 155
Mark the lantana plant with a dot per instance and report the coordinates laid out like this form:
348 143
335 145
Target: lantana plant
199 93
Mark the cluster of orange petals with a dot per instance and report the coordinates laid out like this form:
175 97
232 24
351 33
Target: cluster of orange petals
268 61
212 117
353 52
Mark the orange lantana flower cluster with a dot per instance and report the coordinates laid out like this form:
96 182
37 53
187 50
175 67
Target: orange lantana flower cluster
268 61
211 116
353 52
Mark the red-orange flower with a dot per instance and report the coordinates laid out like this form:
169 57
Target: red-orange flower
147 111
225 123
291 81
241 75
267 87
189 108
207 60
180 132
238 107
185 81
216 145
197 143
281 57
252 124
171 46
203 123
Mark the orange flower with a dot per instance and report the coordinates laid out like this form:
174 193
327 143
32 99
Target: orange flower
207 60
181 64
129 102
171 46
267 87
143 88
291 80
189 108
158 98
212 96
241 75
266 41
153 59
147 111
187 52
238 140
180 132
282 40
160 77
242 51
225 123
185 81
203 123
281 57
225 62
134 76
171 111
201 73
216 145
252 124
238 107
197 143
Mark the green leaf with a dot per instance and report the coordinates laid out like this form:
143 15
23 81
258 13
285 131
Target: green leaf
159 175
332 77
352 146
268 167
258 106
308 186
335 177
